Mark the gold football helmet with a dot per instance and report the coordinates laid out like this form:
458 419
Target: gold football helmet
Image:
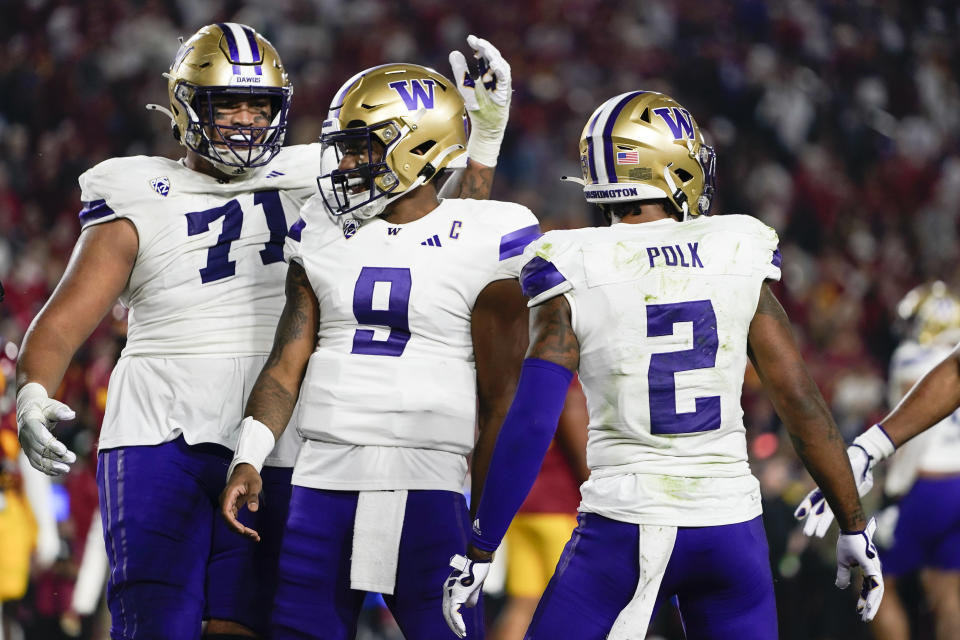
643 145
408 121
930 312
222 61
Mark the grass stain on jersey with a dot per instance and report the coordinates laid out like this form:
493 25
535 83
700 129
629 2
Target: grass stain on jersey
680 488
545 251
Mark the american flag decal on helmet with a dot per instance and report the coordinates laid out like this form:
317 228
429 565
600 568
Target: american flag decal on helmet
628 157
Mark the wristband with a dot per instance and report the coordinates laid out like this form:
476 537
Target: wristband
30 393
876 443
255 444
484 147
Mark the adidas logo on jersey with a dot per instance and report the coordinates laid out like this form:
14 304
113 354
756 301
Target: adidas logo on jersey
432 242
274 174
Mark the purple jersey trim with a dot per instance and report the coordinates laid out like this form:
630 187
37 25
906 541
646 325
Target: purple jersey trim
94 210
777 258
297 229
513 243
539 275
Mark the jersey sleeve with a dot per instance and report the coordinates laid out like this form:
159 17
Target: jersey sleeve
97 196
315 228
757 245
109 191
518 229
548 269
293 244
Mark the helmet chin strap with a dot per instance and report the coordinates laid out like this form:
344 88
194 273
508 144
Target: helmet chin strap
679 197
161 109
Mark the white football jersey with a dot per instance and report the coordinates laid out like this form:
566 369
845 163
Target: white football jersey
208 282
389 397
662 311
936 450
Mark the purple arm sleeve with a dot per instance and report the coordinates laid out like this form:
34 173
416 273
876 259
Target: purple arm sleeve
523 442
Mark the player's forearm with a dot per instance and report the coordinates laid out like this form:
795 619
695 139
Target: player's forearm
822 449
932 399
274 395
489 422
825 457
476 182
272 401
45 355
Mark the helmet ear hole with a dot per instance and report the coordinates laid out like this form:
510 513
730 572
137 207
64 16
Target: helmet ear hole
684 175
422 148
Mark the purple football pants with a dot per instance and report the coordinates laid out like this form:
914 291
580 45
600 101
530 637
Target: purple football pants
173 561
928 528
314 598
720 575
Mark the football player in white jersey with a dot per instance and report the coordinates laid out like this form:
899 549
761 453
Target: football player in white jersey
658 313
195 249
403 329
922 530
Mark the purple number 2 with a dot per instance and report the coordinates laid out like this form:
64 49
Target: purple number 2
219 264
395 316
664 419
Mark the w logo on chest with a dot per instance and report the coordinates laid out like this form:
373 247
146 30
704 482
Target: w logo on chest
415 92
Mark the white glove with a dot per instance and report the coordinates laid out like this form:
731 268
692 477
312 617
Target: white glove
867 450
37 415
814 507
487 99
856 548
462 586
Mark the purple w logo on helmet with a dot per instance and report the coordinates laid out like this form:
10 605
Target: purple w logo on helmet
421 90
679 120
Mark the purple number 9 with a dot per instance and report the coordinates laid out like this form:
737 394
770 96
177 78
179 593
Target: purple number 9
395 316
664 418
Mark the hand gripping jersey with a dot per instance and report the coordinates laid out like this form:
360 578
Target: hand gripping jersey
205 293
389 398
662 311
936 450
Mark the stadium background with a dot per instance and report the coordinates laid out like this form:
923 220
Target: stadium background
834 122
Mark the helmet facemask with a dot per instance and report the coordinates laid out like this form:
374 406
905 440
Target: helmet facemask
365 189
232 148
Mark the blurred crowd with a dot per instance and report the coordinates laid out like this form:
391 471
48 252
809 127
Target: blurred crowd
835 121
